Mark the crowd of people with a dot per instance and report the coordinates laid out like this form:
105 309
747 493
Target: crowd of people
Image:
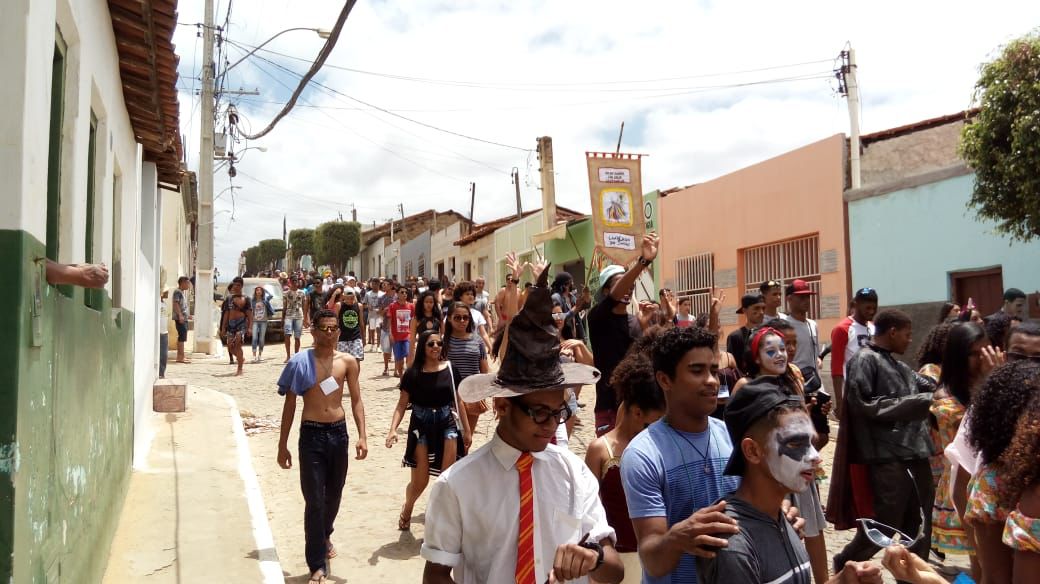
707 461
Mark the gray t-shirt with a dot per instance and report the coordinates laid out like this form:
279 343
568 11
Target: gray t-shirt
766 549
808 341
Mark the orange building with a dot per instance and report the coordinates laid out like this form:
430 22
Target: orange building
780 219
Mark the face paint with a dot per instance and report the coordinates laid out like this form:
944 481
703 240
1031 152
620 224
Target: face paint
773 355
790 455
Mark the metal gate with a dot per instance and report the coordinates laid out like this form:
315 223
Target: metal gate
785 261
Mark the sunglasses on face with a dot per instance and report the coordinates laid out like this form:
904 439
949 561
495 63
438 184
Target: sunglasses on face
460 318
328 329
542 414
434 344
559 316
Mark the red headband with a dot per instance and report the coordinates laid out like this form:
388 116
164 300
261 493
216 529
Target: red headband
760 334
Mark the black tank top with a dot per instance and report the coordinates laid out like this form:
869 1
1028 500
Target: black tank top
349 322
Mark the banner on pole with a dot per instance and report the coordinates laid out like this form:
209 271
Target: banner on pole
616 185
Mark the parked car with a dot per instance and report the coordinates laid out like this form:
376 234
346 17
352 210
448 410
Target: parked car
275 330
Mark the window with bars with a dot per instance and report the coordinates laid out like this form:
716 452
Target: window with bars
694 279
421 271
785 261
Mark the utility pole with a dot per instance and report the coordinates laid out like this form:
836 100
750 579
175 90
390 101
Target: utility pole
848 85
353 212
204 285
516 185
545 156
472 203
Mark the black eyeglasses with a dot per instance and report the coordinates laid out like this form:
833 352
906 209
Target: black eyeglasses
1015 356
434 344
460 318
542 414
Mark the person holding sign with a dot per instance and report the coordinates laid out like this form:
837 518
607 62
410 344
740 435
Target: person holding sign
612 329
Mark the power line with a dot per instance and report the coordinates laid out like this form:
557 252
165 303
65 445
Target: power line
522 86
396 115
362 136
326 50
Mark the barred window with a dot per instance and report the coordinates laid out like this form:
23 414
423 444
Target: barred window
694 279
785 262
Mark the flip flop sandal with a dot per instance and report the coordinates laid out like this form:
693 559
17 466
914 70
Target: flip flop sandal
319 579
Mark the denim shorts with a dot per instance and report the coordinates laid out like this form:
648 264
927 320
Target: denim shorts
182 331
425 418
294 327
400 350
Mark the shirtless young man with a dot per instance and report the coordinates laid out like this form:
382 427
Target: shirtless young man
318 375
507 301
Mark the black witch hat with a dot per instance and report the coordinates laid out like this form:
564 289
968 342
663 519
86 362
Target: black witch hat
531 354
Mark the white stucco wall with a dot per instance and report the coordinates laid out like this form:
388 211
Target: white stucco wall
443 249
92 83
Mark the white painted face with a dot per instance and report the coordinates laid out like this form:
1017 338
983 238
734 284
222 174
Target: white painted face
772 355
790 455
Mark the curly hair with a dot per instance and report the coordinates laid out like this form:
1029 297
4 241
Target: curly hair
934 345
1017 468
634 383
671 345
996 407
997 327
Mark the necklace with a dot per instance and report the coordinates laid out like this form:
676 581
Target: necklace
704 455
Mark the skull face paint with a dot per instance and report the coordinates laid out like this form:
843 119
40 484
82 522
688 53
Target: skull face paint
772 355
790 455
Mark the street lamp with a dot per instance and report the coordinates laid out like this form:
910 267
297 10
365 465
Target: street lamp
321 32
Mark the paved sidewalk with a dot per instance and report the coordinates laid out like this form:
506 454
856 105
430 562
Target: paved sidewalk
195 513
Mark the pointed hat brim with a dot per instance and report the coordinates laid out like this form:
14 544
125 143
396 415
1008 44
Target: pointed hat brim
482 386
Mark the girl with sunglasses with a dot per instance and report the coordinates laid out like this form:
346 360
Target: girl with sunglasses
466 352
433 445
427 318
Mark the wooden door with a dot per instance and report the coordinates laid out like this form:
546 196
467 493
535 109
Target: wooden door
985 287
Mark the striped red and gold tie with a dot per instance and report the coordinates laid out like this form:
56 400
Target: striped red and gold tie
525 534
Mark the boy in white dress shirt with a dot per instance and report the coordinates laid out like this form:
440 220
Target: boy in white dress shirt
520 509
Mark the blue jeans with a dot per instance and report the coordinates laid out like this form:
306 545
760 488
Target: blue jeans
323 461
259 331
426 419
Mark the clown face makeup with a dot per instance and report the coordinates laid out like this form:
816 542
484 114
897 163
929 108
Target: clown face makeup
790 455
772 355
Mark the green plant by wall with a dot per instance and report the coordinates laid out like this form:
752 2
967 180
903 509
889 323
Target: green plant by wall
1002 143
271 251
336 242
302 242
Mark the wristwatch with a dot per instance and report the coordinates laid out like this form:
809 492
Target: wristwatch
645 262
594 546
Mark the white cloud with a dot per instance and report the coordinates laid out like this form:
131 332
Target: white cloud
916 60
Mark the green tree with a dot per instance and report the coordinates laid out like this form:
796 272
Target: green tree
253 259
271 250
336 242
1002 143
302 242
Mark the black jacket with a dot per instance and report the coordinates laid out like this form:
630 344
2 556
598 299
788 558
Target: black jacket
886 408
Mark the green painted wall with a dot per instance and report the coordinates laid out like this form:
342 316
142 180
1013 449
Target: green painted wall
66 424
578 245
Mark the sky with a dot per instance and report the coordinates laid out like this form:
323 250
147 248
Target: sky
420 98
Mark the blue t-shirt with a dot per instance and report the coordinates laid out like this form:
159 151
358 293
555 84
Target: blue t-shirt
665 477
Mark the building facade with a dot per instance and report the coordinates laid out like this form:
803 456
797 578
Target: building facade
914 206
91 142
780 219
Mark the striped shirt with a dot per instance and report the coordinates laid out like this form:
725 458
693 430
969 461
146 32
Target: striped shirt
465 355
